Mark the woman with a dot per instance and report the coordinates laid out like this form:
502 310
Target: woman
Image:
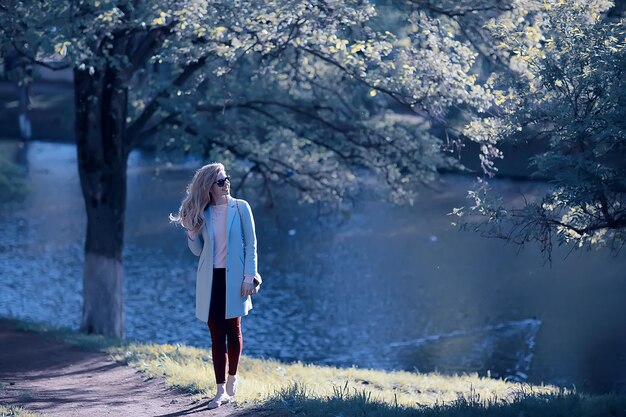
220 229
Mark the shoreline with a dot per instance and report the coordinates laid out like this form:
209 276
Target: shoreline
183 376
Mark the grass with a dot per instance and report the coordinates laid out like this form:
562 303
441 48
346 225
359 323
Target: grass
298 401
323 390
15 412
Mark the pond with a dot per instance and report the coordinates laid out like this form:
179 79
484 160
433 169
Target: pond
385 287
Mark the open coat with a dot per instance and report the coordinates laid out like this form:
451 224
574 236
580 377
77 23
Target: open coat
236 265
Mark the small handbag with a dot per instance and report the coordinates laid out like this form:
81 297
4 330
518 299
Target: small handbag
257 279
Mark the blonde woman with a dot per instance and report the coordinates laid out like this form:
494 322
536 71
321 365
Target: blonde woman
220 229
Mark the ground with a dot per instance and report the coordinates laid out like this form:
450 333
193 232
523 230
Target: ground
44 375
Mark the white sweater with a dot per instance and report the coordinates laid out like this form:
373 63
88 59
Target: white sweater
218 217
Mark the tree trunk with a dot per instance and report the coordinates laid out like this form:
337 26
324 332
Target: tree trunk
26 128
101 108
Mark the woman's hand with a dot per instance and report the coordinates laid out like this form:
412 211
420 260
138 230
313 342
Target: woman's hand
247 289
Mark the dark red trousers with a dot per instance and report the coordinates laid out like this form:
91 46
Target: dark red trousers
226 337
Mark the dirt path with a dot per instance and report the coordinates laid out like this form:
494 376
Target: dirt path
43 375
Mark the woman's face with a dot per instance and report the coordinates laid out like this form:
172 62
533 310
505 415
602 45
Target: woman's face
218 191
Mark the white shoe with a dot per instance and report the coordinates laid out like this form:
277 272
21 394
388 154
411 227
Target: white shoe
231 385
221 397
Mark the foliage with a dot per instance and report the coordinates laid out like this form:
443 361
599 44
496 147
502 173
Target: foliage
569 94
315 94
323 95
13 411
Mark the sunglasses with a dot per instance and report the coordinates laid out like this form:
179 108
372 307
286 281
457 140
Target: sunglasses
222 182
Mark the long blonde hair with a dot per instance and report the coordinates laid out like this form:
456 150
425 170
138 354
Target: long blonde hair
191 212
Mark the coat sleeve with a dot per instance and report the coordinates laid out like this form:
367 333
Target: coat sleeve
195 245
250 263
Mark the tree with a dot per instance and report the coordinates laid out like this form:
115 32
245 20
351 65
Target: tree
304 93
570 93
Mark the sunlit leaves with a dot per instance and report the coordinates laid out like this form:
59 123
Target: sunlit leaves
61 48
570 95
160 20
298 89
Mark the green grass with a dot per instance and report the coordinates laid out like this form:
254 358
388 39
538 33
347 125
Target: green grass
323 390
345 404
11 411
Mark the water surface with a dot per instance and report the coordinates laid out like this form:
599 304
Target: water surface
387 287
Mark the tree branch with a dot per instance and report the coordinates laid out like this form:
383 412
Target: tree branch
138 125
35 61
152 41
393 94
454 13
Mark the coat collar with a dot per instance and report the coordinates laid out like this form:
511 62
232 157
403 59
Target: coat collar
232 210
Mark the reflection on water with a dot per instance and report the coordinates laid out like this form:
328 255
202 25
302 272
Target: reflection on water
388 287
507 347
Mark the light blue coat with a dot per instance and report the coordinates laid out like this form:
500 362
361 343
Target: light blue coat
236 265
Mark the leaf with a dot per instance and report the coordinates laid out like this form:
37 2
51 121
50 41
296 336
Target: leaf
356 48
61 48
